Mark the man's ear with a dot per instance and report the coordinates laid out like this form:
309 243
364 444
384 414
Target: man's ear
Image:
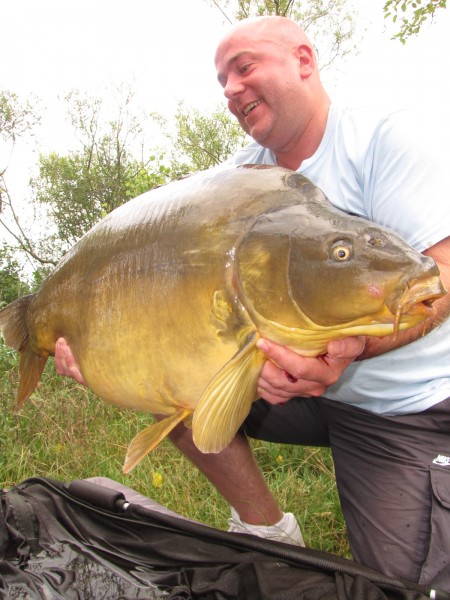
307 60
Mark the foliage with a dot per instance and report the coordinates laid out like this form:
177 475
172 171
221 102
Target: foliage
414 14
329 23
71 192
16 118
12 284
38 275
146 178
82 187
64 432
202 140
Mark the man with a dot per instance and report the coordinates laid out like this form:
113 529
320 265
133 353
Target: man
383 405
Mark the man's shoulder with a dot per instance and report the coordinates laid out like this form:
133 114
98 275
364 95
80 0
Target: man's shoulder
369 118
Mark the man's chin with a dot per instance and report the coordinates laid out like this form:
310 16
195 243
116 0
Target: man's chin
261 136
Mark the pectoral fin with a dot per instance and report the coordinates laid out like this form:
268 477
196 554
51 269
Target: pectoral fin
227 400
150 437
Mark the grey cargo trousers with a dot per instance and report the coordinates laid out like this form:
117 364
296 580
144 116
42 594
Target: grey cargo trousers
392 474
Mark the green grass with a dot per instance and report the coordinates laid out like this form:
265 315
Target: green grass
65 432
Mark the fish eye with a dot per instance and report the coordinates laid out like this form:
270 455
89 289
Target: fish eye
341 251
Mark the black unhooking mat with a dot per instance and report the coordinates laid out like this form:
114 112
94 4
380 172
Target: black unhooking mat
84 541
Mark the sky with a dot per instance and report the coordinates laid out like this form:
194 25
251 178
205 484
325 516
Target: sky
385 71
165 50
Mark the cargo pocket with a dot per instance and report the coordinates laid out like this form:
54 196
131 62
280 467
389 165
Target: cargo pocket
436 568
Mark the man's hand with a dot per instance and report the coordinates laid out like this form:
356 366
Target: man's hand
298 376
65 362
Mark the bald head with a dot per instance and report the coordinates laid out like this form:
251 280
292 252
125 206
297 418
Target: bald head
269 74
279 31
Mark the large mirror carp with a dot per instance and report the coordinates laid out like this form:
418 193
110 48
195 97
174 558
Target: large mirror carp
163 301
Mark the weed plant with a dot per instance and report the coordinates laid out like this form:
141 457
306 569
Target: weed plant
65 432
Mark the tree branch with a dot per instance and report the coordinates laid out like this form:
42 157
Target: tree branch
21 238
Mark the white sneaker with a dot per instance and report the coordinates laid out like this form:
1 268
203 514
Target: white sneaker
287 529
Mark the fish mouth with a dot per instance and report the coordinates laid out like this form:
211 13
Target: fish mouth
251 106
416 302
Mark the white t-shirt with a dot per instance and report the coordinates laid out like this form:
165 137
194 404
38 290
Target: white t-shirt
385 167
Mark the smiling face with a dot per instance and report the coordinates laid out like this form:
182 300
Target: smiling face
267 69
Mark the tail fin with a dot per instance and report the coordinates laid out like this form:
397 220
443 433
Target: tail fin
13 324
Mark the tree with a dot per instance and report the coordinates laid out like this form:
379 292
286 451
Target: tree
12 283
414 15
73 191
202 140
329 23
80 188
17 120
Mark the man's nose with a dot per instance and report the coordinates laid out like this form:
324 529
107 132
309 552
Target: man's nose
233 87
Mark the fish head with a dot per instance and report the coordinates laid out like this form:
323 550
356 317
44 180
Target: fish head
360 274
313 268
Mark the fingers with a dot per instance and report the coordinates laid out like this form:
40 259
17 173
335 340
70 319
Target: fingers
350 347
278 386
296 376
65 362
